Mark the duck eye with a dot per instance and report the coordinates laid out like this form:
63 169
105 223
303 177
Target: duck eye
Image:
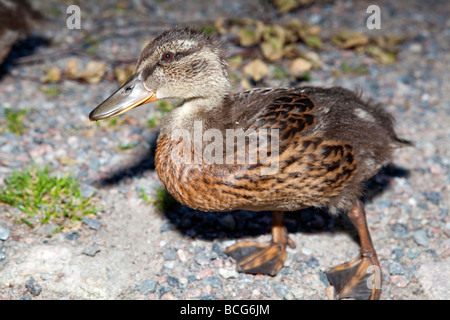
167 56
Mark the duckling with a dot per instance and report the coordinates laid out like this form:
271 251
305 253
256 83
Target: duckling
307 147
16 20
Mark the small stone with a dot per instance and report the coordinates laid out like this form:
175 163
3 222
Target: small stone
169 254
173 282
91 251
163 290
4 233
201 259
281 290
396 268
87 191
208 297
227 274
399 230
312 262
147 286
399 280
433 197
213 281
92 223
181 255
72 236
412 253
398 253
33 287
420 237
46 276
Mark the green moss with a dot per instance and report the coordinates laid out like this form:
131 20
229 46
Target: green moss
14 122
50 199
163 200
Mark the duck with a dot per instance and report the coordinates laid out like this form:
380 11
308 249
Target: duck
263 149
17 18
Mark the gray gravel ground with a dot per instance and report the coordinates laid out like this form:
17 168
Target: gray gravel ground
133 251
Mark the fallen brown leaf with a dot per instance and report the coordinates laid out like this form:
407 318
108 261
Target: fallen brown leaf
299 66
256 69
94 72
123 74
52 75
273 42
380 55
71 69
347 39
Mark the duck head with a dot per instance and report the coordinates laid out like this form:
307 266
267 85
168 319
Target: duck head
180 63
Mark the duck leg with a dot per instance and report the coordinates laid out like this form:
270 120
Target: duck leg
360 278
265 258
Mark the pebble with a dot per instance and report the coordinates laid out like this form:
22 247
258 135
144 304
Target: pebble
163 290
169 254
433 197
281 290
72 236
181 255
46 276
227 274
94 224
396 268
33 287
213 281
412 253
91 251
173 282
147 286
420 237
399 230
4 233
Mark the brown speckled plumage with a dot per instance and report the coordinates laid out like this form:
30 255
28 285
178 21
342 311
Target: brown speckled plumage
325 153
328 141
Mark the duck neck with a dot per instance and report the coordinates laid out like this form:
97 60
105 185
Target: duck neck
205 110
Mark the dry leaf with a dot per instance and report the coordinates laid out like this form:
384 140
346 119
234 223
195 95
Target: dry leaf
380 55
313 42
290 51
123 74
220 26
235 62
314 58
249 36
94 72
287 5
72 69
52 75
347 39
256 69
245 84
299 65
274 40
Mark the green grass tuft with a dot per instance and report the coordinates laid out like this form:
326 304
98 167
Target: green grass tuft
164 201
14 120
46 198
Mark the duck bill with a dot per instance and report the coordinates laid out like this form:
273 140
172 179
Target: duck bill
131 95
